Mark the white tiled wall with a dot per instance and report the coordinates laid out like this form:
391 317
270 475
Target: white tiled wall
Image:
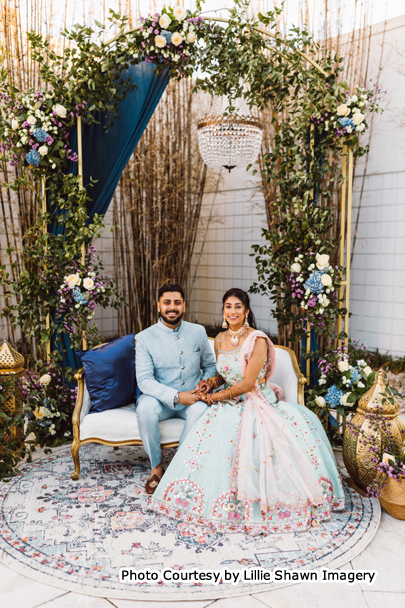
225 262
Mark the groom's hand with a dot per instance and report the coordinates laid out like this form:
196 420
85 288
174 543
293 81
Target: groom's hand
188 397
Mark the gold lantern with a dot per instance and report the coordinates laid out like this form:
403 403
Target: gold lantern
356 456
11 369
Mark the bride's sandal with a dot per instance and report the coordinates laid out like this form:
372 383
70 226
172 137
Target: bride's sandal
152 484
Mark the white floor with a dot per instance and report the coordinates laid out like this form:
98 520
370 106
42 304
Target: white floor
386 554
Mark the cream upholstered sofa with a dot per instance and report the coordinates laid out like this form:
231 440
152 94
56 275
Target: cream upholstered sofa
119 427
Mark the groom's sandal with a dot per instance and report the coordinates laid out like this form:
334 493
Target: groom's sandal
152 484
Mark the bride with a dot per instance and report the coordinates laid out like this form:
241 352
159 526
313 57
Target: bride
251 463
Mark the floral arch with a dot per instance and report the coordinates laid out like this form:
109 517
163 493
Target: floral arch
294 79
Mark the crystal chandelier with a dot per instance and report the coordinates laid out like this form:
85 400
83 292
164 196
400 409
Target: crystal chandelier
229 140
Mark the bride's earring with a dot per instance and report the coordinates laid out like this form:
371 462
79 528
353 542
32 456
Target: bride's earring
246 323
224 324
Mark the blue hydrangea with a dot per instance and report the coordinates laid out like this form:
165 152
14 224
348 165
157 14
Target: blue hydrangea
33 158
40 135
168 35
347 122
333 396
79 297
314 282
355 375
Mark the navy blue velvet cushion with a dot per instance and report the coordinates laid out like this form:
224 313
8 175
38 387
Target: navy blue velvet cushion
110 373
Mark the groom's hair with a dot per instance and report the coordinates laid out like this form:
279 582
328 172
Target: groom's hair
170 287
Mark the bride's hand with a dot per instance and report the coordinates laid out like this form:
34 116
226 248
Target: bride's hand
205 386
201 396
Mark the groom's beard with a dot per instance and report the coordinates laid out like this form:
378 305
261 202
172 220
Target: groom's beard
172 320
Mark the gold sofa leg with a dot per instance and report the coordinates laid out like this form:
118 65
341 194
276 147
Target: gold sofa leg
76 460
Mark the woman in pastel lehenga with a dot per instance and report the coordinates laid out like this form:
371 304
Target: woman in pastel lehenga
253 462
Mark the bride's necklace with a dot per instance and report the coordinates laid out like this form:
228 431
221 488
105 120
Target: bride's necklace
238 334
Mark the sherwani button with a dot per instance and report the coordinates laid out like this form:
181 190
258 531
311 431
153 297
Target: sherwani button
182 382
181 352
182 367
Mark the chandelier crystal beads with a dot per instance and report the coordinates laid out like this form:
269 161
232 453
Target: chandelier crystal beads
229 140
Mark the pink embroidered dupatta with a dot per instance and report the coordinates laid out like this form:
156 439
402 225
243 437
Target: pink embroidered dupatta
269 466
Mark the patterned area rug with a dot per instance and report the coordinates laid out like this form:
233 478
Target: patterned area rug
77 535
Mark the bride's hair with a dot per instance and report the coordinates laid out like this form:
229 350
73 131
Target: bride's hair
244 298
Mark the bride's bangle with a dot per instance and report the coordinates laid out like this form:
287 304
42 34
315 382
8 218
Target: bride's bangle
215 381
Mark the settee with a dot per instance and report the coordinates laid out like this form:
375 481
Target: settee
118 427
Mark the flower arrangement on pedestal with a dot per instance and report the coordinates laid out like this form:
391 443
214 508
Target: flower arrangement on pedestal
50 404
35 133
345 377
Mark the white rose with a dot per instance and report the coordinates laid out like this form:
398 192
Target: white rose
177 38
367 370
15 124
160 41
363 96
72 280
322 261
31 120
179 13
296 267
164 21
45 379
357 118
360 128
326 280
88 283
24 140
176 58
343 365
52 429
325 302
362 363
349 129
343 399
320 401
343 110
322 380
191 37
361 385
354 99
60 110
43 150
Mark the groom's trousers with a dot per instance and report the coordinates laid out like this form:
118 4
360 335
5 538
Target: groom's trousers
150 412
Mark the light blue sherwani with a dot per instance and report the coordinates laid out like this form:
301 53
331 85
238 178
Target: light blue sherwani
169 361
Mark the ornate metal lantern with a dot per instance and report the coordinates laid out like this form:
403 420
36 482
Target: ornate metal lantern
229 140
12 368
357 457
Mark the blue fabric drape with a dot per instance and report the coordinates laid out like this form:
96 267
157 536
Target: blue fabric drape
106 153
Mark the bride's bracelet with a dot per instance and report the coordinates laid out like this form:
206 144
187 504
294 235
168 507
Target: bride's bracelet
221 396
215 381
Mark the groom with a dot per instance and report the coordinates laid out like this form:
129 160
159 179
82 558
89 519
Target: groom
172 356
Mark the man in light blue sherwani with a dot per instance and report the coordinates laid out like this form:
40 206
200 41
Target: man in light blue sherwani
171 358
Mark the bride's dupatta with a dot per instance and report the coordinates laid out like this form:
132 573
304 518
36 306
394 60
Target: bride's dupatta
268 465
